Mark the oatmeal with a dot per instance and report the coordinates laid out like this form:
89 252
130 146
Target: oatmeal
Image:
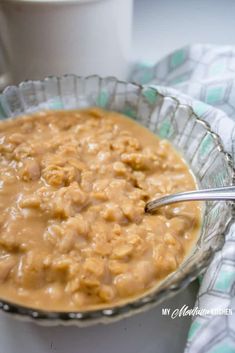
73 231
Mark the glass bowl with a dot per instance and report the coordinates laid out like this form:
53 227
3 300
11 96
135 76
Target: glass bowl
168 118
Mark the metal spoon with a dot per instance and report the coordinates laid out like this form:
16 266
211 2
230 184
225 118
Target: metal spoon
224 193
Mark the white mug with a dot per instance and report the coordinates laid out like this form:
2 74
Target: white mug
54 37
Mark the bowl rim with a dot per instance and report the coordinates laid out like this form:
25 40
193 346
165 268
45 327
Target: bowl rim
113 313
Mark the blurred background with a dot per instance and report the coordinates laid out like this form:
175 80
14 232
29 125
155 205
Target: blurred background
55 37
160 26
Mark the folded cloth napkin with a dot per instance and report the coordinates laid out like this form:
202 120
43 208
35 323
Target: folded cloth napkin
205 74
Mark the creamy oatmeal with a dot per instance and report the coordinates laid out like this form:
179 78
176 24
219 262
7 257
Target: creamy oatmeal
73 232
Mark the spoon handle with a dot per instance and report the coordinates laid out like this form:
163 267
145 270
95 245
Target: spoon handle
224 193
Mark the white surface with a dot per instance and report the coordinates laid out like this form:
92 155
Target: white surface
144 333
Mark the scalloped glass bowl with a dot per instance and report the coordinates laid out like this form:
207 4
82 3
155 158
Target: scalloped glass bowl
169 119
